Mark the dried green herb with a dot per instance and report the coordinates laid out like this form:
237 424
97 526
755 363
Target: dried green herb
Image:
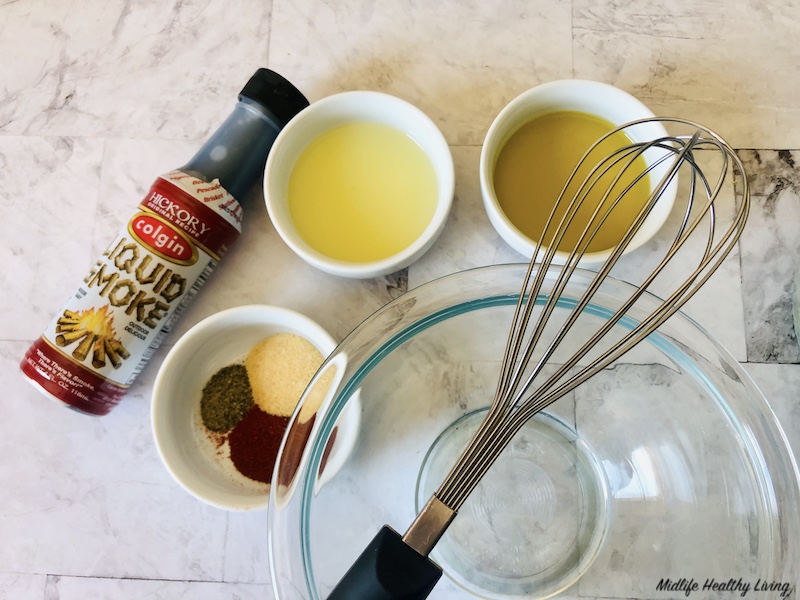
226 398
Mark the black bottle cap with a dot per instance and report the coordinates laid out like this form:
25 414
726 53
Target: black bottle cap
276 93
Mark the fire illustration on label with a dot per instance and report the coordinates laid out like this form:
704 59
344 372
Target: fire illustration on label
92 330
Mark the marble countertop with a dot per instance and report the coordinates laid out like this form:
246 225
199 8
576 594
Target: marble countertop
97 98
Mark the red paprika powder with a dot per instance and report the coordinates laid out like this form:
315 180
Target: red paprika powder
254 443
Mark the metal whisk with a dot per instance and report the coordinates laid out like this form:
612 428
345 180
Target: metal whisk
398 567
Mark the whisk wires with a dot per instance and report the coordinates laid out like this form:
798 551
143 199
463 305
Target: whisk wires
519 395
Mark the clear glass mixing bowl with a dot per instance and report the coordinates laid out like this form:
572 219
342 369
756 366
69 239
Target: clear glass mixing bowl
665 471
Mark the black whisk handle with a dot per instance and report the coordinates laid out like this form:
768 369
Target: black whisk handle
388 569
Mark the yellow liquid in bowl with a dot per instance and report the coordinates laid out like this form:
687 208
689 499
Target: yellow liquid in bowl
536 162
362 192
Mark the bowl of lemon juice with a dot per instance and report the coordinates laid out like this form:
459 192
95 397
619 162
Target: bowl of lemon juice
537 140
359 184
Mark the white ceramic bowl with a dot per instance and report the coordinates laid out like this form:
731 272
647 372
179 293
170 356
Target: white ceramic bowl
220 340
341 109
592 97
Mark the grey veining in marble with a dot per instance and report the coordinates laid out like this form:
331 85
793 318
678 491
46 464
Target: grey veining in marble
771 257
708 61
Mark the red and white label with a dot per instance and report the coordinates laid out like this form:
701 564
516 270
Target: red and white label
108 330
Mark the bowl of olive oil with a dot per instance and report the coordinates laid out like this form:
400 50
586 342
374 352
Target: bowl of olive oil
535 143
359 184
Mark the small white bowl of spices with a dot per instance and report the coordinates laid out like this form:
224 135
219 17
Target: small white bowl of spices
223 397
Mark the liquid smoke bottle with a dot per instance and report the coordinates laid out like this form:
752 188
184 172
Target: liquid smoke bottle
119 314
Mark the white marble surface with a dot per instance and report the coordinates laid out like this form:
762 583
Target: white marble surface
97 98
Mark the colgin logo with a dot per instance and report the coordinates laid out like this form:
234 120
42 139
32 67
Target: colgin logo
163 239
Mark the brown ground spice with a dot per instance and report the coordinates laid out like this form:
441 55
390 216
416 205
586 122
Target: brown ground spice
255 442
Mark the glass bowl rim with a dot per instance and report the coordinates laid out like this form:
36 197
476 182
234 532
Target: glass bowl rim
348 388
